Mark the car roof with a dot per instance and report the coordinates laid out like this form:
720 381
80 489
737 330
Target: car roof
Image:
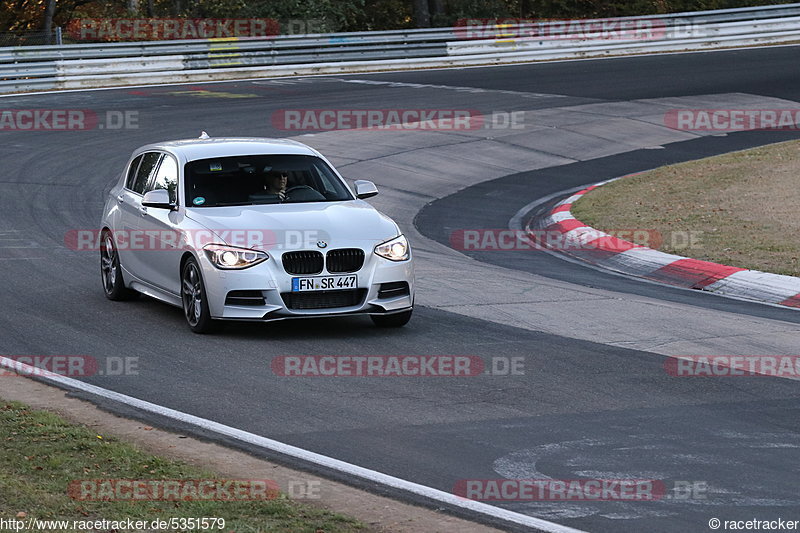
193 149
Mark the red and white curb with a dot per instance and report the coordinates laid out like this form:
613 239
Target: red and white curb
605 251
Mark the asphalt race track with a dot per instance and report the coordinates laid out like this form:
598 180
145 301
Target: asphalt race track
594 400
477 207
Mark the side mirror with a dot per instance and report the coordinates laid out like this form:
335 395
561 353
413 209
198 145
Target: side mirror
365 189
158 198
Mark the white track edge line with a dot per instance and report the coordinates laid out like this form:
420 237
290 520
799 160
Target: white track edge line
293 451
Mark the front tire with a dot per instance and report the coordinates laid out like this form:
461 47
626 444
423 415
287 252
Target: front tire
111 271
195 302
396 320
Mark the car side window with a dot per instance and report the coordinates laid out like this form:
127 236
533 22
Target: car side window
131 178
146 169
167 178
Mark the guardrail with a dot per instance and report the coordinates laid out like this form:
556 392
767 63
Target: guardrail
136 63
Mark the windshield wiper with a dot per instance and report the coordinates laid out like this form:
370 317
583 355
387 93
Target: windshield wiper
229 205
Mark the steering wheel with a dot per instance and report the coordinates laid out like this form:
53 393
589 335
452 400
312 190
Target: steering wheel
297 187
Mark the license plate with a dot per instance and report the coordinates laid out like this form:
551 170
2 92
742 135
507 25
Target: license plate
324 283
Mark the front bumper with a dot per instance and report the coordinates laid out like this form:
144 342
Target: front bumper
263 285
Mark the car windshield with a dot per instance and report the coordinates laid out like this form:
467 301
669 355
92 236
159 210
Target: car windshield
261 179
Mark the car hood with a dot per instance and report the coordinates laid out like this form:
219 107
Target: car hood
285 224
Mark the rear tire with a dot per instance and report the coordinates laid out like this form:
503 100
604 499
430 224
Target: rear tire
195 302
396 320
111 271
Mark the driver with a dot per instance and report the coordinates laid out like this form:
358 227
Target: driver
276 183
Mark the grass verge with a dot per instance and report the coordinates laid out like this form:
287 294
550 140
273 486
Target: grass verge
42 454
740 209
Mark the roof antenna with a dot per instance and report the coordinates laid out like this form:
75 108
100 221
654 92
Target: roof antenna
204 135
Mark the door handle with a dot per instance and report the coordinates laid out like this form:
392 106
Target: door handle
120 199
143 210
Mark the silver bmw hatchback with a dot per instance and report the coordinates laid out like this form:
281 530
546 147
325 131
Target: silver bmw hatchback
251 229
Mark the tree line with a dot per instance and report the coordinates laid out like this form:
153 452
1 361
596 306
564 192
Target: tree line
343 15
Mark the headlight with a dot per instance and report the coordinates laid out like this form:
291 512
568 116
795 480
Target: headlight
230 257
394 250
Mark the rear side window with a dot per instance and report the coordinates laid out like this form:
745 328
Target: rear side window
131 179
167 178
146 169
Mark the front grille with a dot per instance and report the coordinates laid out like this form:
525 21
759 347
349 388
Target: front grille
323 299
253 298
393 289
305 262
345 260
